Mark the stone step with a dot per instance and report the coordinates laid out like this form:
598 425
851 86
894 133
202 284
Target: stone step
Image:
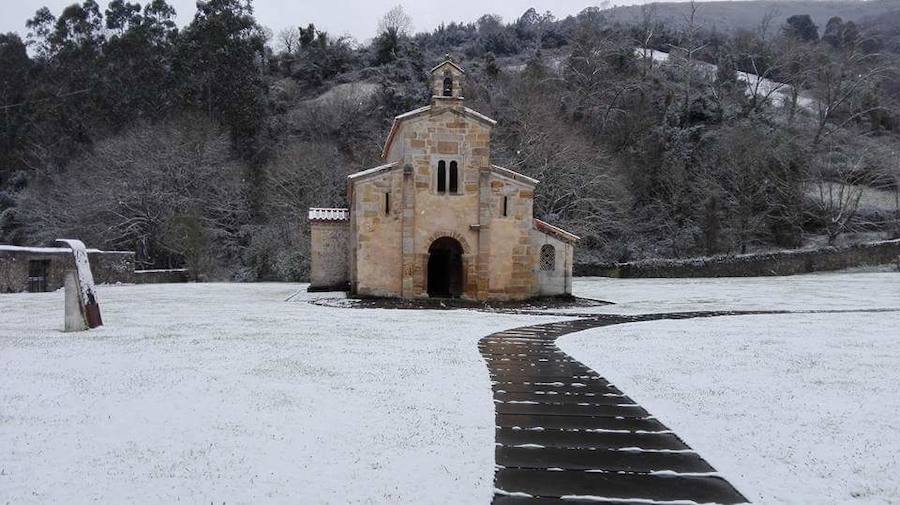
518 500
578 423
567 398
509 437
607 460
629 410
619 486
597 387
524 377
499 369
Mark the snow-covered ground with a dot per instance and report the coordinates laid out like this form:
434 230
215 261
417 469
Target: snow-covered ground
793 409
204 393
212 393
820 291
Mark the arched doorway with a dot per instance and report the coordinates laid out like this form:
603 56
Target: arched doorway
445 268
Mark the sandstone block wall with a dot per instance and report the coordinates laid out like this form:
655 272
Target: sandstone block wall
512 255
559 280
329 260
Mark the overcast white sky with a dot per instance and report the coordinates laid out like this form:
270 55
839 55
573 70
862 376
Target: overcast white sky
358 18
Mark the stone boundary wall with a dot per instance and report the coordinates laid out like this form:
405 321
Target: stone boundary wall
108 267
170 276
752 265
112 267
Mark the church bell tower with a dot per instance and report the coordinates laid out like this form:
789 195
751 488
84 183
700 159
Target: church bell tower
447 80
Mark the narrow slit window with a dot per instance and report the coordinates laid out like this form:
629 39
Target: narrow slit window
387 204
442 177
505 206
454 177
448 86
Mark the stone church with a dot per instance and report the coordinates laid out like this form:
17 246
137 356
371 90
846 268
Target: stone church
437 219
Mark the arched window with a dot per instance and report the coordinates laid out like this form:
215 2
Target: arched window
454 178
505 206
548 258
448 86
442 177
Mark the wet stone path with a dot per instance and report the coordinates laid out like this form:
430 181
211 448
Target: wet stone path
566 436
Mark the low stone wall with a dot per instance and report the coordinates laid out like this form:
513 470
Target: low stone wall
108 267
170 276
753 265
112 267
329 260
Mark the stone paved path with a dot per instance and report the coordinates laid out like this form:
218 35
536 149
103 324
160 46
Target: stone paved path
566 436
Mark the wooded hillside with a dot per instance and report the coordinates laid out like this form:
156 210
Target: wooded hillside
203 146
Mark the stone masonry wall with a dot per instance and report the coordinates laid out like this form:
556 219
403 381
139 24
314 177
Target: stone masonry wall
108 267
559 280
513 257
752 265
329 261
378 239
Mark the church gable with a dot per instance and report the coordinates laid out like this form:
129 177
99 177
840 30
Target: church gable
408 127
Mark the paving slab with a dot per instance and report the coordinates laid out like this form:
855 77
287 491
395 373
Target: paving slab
568 398
606 460
622 486
555 409
584 439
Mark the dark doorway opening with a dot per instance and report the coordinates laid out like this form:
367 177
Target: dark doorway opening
38 270
445 268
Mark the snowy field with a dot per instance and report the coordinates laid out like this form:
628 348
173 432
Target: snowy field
218 393
212 393
793 409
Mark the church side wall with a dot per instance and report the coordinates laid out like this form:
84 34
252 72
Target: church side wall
559 280
329 265
512 255
378 242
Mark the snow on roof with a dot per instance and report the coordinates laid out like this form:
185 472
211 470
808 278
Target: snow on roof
35 250
371 171
559 233
514 175
413 112
329 214
52 250
448 62
479 115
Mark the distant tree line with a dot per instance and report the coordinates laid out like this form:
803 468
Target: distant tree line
203 146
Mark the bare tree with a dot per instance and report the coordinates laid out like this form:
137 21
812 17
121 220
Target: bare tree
289 40
395 21
837 187
686 51
172 192
580 188
592 82
837 85
647 28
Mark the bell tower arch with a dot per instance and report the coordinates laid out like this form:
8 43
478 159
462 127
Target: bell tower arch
447 82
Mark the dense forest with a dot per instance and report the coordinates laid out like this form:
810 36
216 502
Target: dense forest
204 145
